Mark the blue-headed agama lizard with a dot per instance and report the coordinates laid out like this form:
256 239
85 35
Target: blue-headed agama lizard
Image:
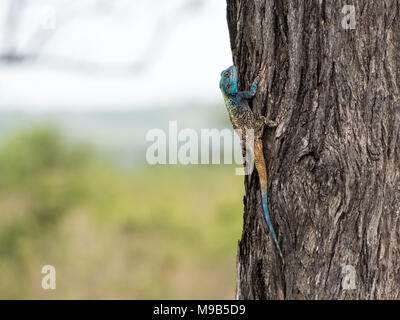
243 119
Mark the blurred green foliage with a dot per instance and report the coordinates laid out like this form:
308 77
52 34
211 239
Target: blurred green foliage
155 232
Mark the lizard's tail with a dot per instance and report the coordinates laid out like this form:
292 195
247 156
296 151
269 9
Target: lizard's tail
262 173
267 217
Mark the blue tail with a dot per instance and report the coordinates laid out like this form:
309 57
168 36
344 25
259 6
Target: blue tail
267 217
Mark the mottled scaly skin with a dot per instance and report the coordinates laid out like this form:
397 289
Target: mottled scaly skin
243 118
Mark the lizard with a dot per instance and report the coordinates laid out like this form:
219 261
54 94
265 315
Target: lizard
243 119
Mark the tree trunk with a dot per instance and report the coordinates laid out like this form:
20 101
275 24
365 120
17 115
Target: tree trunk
333 162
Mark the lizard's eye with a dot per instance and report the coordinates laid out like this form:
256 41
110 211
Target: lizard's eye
227 74
228 86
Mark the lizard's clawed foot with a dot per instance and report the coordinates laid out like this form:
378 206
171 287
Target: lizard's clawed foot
254 86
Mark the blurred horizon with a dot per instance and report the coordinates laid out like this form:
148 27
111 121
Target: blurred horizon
119 135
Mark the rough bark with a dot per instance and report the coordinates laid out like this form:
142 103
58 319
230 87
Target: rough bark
333 163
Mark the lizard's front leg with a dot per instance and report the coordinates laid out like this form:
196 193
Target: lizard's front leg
250 94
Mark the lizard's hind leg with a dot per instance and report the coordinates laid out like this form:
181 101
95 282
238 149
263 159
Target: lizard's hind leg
268 122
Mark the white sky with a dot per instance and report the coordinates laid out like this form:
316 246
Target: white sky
186 67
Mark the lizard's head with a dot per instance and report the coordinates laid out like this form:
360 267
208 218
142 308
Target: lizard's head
228 82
